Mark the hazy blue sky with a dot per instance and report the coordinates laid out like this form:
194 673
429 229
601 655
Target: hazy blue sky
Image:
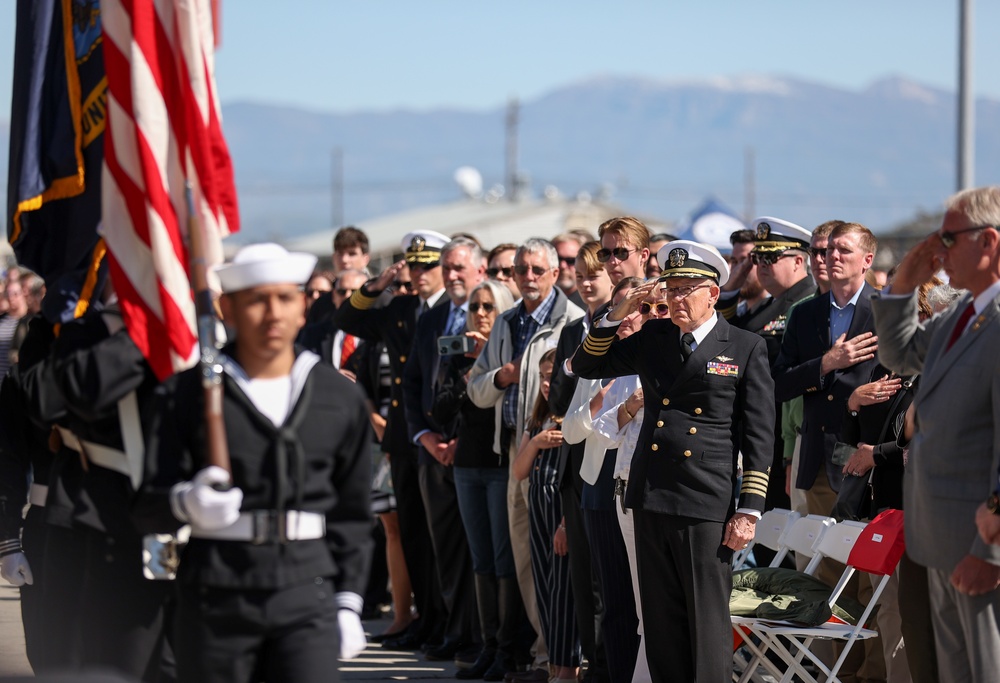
332 55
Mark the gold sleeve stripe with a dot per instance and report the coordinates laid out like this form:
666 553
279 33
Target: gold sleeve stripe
600 351
753 489
753 475
362 302
596 341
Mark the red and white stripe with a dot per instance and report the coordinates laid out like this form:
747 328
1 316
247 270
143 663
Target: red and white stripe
164 128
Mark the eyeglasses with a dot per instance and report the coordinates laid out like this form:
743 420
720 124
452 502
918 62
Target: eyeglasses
620 253
402 284
948 238
506 272
768 258
817 252
661 308
537 270
487 308
683 292
568 260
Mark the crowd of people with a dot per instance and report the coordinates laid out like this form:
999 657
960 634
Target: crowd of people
563 442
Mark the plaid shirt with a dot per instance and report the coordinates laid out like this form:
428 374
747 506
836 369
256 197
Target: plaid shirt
524 325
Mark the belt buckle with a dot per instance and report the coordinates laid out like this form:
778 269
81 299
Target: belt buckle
269 525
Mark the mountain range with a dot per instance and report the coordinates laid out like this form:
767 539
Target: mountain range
877 155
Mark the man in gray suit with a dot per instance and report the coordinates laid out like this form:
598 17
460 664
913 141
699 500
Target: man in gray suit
954 452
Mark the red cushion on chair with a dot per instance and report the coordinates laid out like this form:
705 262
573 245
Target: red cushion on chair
880 545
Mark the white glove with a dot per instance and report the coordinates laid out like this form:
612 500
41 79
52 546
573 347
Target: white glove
352 634
14 568
204 506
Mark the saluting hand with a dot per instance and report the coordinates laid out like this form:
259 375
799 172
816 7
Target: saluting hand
631 302
919 264
388 275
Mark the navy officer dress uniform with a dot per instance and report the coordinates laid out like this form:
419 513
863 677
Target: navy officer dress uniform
394 325
268 596
700 413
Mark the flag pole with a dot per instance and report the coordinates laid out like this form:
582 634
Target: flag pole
216 446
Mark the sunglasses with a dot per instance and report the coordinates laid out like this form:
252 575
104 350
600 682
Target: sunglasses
402 284
487 308
817 252
646 308
683 292
506 272
343 292
620 253
948 238
537 270
568 260
768 258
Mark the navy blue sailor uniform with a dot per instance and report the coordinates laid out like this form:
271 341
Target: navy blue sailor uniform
265 602
699 415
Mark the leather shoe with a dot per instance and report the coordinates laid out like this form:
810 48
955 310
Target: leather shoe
532 676
407 640
444 652
478 668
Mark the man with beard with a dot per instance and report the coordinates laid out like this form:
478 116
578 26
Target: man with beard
743 292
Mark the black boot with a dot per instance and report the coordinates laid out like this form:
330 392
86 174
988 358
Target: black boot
489 622
511 610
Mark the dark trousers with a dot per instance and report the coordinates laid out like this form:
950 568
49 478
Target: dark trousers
122 613
243 636
587 599
620 624
451 551
35 616
65 555
915 615
416 540
685 578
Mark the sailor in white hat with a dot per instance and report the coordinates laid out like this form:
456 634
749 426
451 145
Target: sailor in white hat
277 562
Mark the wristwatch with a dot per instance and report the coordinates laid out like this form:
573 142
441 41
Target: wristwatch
993 503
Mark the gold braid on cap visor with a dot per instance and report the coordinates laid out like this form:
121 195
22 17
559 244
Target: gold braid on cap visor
776 245
688 271
424 256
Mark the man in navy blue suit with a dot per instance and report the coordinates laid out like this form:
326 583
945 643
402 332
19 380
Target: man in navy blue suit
462 267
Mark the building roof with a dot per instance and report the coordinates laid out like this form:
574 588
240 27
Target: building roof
491 223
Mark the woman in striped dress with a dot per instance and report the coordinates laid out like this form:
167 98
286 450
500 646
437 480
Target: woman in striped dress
537 460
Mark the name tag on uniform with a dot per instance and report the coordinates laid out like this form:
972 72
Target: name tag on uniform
724 369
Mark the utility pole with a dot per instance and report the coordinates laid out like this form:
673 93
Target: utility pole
510 172
337 186
749 185
966 100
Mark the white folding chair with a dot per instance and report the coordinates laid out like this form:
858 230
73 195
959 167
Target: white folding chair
803 538
769 533
792 643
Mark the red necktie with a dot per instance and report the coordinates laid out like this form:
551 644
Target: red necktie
963 320
347 348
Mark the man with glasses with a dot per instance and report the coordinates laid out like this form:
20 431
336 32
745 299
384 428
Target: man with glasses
706 397
780 250
568 246
624 247
953 455
394 325
506 376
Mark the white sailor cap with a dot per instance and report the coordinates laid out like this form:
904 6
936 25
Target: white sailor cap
264 264
423 247
775 234
686 258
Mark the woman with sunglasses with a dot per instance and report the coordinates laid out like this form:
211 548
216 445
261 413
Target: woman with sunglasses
481 486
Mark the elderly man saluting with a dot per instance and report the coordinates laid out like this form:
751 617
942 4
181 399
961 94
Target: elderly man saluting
708 395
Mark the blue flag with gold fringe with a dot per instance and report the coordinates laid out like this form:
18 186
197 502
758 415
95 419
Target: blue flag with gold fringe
57 122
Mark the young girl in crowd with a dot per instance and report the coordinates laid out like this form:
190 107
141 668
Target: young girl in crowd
537 461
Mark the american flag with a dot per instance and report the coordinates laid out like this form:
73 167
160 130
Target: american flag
164 130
